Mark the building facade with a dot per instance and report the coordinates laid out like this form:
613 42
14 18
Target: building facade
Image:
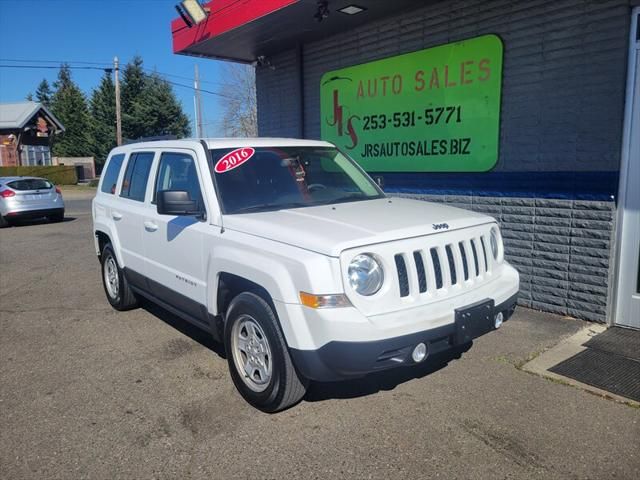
564 158
26 132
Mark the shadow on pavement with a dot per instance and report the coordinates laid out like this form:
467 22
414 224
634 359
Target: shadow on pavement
319 391
184 327
36 221
382 381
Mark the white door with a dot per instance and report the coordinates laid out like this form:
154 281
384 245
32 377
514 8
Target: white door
627 311
174 245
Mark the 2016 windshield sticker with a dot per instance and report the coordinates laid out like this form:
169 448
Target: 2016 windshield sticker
234 159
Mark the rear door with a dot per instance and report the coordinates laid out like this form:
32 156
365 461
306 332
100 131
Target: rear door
130 210
34 194
174 245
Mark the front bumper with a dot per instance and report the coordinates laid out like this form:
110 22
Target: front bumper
339 360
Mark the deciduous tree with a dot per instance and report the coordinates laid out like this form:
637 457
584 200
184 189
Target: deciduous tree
239 106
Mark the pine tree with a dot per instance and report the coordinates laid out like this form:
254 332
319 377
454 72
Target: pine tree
70 107
103 118
44 93
29 97
149 105
157 111
133 84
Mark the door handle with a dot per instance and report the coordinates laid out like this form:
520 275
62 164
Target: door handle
116 215
150 226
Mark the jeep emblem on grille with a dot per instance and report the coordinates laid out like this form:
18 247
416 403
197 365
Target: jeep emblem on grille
440 226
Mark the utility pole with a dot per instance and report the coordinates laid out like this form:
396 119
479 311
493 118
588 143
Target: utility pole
198 102
116 69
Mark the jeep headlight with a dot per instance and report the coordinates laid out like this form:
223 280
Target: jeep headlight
496 242
365 274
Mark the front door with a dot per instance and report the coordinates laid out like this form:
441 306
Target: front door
174 245
627 311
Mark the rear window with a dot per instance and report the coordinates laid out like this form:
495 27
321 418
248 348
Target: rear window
110 177
134 185
30 184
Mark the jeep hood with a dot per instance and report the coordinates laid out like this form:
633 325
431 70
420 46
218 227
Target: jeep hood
331 229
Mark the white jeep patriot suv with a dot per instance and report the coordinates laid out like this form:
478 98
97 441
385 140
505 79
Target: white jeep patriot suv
287 252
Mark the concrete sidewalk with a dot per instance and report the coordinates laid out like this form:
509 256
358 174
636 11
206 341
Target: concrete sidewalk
91 393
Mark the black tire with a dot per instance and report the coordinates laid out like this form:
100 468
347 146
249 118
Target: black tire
121 298
57 217
285 386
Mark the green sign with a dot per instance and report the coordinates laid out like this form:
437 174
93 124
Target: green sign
435 110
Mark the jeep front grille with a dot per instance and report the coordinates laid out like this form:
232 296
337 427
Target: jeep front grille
424 269
442 266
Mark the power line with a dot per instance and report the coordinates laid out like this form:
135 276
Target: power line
149 70
74 67
106 64
52 61
108 69
202 90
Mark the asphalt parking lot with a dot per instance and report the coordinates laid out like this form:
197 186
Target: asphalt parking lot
87 392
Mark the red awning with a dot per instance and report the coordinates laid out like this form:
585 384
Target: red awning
243 30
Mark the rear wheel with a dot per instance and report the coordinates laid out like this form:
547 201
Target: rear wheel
258 357
118 291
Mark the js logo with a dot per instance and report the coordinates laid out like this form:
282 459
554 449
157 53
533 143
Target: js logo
340 122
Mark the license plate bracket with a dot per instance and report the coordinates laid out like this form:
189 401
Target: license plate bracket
474 320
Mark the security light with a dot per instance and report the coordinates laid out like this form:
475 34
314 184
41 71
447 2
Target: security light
352 9
192 12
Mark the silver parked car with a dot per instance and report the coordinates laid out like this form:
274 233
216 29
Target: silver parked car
29 197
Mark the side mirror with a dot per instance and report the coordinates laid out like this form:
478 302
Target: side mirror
176 202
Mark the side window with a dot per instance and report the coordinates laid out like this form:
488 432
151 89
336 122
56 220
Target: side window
177 171
136 176
110 176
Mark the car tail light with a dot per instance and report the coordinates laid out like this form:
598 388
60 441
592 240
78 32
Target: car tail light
58 190
7 193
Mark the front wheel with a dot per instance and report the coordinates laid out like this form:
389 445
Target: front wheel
258 357
115 283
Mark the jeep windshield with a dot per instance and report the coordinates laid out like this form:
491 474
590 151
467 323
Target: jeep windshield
275 178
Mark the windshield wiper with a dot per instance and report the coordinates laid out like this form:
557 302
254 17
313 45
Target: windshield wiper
271 207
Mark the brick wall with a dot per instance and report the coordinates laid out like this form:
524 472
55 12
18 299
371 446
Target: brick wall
560 247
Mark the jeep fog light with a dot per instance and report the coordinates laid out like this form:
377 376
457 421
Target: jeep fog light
365 274
324 301
419 353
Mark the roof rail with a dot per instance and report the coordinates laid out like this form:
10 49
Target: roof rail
157 138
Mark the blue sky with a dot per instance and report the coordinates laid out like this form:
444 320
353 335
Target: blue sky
96 31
